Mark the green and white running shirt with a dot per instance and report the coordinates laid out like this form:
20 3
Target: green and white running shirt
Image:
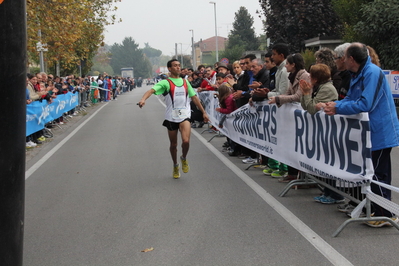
177 98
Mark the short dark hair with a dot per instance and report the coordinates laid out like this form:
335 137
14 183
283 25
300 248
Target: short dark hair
321 73
200 66
269 55
250 56
358 51
281 48
169 64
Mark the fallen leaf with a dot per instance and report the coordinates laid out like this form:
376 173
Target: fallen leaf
147 250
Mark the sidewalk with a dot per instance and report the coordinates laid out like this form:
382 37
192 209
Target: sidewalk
67 126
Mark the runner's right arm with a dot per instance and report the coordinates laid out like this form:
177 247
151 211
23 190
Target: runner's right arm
146 95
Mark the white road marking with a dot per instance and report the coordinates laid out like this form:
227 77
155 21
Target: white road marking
322 246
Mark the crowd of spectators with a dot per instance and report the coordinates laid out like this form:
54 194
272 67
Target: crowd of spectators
280 77
42 86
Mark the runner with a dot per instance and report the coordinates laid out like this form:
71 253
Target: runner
177 92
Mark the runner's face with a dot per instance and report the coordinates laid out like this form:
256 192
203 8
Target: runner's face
175 68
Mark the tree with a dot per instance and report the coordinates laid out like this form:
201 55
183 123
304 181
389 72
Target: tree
186 60
349 14
243 33
101 61
153 55
151 52
128 54
72 30
294 21
233 54
378 27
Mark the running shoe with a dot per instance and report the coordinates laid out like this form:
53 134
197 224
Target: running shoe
176 172
329 200
268 171
319 198
279 173
30 144
249 160
184 165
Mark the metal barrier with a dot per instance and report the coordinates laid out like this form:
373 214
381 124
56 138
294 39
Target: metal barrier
358 193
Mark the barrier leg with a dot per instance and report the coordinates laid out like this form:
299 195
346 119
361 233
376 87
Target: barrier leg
217 135
365 219
303 180
297 182
380 218
204 130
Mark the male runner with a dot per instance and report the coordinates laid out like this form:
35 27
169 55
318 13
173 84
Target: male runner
177 92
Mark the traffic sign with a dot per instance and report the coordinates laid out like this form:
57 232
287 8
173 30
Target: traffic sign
224 60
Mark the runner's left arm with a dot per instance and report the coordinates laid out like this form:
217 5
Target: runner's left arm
197 103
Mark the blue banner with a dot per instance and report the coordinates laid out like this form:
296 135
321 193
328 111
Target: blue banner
39 113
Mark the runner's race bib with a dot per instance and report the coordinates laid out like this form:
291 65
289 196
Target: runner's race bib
179 113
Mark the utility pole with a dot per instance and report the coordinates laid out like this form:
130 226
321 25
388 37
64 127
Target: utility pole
181 55
216 32
12 130
192 51
41 47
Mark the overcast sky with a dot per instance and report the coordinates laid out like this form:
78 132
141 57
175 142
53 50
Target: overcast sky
164 23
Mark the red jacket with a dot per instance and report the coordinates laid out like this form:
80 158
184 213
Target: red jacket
230 105
205 82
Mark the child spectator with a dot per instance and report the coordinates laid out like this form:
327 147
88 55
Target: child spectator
221 80
227 106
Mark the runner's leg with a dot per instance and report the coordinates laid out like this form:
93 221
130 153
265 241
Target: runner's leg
185 129
173 144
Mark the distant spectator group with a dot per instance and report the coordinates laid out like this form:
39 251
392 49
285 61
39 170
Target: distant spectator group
42 86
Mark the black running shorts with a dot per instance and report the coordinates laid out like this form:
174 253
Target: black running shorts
172 126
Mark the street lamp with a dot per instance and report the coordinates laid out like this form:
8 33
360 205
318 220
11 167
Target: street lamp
216 32
181 54
192 49
41 47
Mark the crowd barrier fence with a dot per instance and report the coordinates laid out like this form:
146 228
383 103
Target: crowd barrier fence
39 113
321 147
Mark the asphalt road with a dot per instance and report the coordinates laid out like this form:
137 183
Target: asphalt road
102 191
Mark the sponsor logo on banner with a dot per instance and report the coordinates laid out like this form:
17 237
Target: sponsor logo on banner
45 113
328 146
39 113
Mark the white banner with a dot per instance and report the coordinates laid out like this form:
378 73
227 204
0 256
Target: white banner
327 146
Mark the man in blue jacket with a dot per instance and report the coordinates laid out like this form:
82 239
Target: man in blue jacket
370 92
